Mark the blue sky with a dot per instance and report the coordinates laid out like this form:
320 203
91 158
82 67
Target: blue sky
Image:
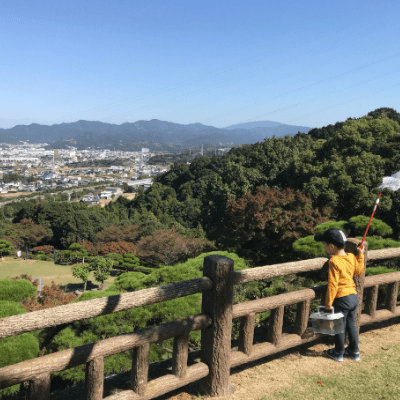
219 63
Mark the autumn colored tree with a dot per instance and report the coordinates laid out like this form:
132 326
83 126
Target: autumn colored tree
88 246
128 233
121 247
25 233
263 225
168 247
47 249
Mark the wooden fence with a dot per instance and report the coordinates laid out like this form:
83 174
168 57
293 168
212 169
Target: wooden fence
215 323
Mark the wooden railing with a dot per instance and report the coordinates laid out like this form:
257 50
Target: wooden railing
215 323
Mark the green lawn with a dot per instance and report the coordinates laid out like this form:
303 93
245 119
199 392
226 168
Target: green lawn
46 270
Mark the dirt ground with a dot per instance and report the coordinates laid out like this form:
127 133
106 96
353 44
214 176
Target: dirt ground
14 194
129 196
271 374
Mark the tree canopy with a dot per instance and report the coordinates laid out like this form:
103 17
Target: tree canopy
338 168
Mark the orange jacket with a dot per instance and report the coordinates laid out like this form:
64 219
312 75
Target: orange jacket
341 271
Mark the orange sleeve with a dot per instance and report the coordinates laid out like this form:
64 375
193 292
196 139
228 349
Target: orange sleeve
359 264
333 284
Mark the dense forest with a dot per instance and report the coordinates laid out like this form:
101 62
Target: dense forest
255 201
259 204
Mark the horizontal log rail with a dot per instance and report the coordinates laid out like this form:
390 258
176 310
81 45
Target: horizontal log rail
379 316
59 361
269 303
382 279
383 254
273 271
165 384
32 321
261 350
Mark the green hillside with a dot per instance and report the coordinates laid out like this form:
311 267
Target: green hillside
255 201
337 169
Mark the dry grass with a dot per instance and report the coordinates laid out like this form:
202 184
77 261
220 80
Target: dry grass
6 195
129 196
296 375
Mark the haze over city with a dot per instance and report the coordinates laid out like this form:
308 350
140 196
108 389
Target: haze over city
219 63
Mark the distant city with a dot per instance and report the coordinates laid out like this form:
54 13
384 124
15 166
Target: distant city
39 169
27 168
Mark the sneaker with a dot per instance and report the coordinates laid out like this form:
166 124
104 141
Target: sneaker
352 356
335 356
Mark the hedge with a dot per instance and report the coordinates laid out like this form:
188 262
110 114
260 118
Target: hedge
16 290
15 349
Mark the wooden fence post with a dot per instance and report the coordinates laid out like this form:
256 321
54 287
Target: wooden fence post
246 333
180 355
94 379
351 247
391 296
371 301
275 325
140 368
216 340
302 316
39 388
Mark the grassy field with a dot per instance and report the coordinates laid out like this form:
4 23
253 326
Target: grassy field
46 270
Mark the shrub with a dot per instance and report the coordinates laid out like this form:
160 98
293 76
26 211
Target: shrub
51 296
16 290
15 349
378 271
342 225
35 282
359 224
40 255
356 225
9 308
116 257
132 263
309 246
379 243
47 249
5 247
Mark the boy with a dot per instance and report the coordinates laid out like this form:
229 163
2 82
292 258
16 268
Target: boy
341 293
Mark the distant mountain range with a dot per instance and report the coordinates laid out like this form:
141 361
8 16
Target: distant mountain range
156 135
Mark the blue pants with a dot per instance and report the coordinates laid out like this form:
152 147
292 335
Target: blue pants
347 305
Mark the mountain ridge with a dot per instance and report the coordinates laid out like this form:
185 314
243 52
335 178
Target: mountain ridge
153 134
